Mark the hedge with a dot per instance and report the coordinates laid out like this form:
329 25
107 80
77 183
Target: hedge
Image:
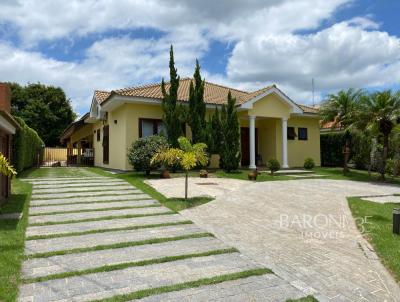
332 149
26 146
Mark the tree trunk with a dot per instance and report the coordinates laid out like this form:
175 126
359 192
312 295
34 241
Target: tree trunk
186 185
385 154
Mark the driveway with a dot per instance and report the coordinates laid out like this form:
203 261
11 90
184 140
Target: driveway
304 231
92 238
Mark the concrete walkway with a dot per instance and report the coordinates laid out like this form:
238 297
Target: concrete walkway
86 246
304 231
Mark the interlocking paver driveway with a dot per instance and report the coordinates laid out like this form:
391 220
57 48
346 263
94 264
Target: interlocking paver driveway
265 222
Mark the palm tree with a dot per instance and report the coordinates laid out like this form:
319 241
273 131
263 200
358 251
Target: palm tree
187 156
340 110
379 113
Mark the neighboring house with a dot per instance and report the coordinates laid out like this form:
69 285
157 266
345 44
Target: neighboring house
8 126
272 125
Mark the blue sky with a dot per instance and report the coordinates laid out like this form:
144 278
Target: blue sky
86 45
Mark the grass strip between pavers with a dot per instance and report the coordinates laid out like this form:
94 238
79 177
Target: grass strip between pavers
118 245
137 192
88 202
129 228
186 285
113 267
96 210
101 218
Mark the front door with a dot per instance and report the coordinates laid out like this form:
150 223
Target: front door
245 144
106 147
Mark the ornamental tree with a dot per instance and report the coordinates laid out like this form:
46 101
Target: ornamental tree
173 111
197 107
230 147
187 156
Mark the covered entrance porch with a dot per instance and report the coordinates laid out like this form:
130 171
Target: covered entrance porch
263 138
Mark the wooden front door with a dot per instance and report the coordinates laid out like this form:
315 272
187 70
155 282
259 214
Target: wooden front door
106 144
245 144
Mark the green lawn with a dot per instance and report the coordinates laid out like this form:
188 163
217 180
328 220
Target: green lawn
356 175
12 237
378 230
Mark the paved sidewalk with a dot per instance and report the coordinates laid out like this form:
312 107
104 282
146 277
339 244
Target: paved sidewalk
270 223
86 246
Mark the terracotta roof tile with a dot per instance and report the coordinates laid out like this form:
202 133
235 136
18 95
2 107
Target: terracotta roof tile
101 95
213 93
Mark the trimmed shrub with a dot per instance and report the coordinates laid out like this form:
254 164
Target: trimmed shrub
142 151
27 146
332 149
273 165
309 163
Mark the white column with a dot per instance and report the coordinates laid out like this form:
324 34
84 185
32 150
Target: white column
252 129
284 144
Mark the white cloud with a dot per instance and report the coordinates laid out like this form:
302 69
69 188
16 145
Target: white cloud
344 55
267 46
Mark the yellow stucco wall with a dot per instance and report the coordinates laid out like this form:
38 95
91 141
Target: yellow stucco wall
299 150
117 140
270 106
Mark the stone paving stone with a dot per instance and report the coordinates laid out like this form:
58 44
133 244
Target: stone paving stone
122 186
53 179
80 185
108 284
84 194
89 199
91 206
91 240
101 225
73 181
96 214
39 267
267 287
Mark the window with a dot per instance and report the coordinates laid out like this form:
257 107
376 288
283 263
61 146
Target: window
291 133
303 135
98 135
148 127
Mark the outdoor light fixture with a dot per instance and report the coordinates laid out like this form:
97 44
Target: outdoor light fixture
396 221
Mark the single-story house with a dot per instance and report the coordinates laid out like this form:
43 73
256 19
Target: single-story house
272 125
8 127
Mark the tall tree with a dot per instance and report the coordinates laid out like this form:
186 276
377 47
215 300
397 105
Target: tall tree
230 147
216 135
44 108
379 112
172 110
197 107
340 110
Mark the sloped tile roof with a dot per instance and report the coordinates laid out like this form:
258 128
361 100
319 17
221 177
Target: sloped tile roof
213 93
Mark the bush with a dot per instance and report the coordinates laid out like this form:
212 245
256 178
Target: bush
332 149
142 151
273 165
309 163
27 145
361 147
389 166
